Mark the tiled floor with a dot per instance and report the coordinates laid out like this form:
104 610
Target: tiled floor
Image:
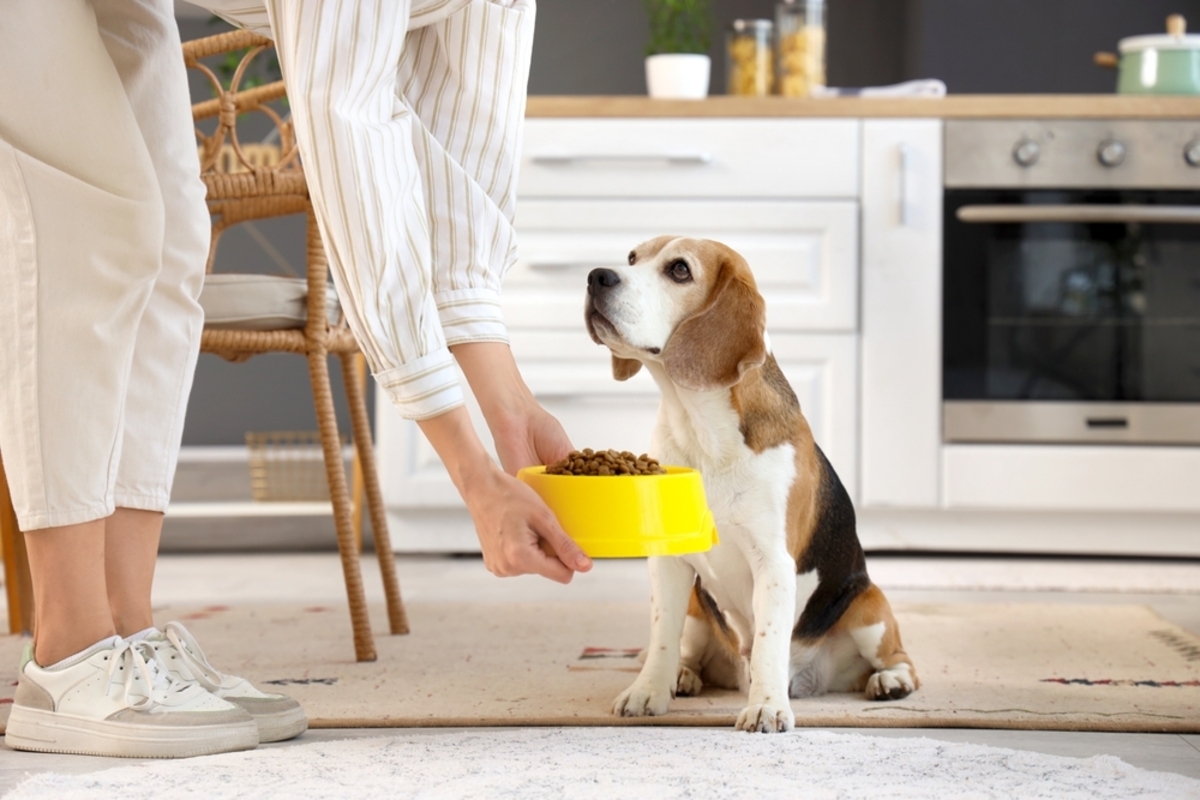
1171 588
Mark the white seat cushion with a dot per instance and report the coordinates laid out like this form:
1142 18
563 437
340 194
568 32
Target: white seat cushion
259 302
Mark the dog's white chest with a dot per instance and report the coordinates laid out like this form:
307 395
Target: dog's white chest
749 505
746 491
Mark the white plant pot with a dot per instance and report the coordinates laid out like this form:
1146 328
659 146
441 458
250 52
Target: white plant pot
678 76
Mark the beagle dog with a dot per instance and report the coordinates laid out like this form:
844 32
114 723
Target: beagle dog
782 607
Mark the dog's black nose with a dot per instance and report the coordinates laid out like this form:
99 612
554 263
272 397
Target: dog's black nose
600 279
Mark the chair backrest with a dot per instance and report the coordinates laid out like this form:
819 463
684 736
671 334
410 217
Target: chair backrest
253 180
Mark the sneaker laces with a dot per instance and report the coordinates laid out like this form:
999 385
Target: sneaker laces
136 659
193 657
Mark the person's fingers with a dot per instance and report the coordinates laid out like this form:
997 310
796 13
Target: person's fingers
564 546
531 559
557 444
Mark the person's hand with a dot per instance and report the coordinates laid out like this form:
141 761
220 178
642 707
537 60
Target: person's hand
517 532
529 438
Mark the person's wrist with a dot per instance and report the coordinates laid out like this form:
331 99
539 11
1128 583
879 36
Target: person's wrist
476 477
453 437
496 382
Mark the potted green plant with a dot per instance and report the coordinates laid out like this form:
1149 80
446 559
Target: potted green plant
677 62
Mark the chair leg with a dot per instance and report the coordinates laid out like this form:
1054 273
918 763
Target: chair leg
358 498
17 581
318 370
354 376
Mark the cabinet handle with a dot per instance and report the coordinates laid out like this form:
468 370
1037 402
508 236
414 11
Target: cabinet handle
673 159
902 184
1000 214
564 264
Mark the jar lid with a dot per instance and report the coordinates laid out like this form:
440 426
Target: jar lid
751 25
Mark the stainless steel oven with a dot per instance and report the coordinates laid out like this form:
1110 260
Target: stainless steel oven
1072 281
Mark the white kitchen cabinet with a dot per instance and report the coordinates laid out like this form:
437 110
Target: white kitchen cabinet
689 158
804 254
901 313
600 412
1072 478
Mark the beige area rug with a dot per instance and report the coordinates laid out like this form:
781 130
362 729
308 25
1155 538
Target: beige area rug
1044 667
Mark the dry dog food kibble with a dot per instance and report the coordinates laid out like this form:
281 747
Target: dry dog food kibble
605 462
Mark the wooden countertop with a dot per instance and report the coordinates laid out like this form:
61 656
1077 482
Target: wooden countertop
962 106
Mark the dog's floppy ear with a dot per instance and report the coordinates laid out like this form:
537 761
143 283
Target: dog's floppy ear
625 368
713 347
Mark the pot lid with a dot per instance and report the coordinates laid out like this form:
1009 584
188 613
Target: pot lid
1136 44
1176 38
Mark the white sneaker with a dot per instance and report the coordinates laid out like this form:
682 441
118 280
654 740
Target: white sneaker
278 716
113 699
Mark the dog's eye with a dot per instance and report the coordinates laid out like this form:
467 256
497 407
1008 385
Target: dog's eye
632 257
679 271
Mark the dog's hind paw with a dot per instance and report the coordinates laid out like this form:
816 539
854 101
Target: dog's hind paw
688 683
642 701
765 718
893 683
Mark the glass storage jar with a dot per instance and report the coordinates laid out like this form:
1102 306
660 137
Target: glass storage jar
750 57
800 46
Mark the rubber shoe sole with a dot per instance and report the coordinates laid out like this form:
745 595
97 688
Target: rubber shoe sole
51 732
280 726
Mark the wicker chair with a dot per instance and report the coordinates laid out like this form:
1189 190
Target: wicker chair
248 189
17 582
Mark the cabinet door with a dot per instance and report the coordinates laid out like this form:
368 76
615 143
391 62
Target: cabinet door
804 254
901 312
689 158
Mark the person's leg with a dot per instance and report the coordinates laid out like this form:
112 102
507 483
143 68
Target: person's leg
130 551
79 206
81 240
168 341
70 601
82 220
142 39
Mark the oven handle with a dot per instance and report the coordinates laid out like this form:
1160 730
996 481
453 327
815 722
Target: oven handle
1180 215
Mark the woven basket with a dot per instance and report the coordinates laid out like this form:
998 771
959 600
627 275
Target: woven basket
287 466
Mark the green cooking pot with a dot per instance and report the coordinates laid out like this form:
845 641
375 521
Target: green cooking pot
1158 64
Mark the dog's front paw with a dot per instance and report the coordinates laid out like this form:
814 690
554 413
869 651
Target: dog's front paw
642 701
766 718
893 683
688 684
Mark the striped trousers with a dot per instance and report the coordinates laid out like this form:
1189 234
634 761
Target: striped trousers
409 117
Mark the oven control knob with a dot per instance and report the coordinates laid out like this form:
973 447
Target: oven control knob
1191 153
1026 152
1111 153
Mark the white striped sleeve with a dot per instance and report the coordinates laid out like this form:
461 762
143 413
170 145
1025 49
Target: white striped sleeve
465 79
410 142
339 58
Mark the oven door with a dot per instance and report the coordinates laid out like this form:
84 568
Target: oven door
1072 316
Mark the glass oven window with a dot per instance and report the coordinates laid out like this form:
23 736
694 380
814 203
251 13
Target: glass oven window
1080 311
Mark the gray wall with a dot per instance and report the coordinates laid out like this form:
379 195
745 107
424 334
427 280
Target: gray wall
976 46
1027 46
596 47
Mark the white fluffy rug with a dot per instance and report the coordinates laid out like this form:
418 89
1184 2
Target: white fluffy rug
602 763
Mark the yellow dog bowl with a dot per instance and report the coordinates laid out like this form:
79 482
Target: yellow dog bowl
627 516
